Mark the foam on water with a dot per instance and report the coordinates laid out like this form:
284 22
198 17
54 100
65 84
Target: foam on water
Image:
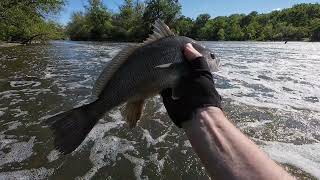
19 112
151 141
15 84
306 156
32 174
162 110
271 90
53 155
8 94
286 81
13 125
19 151
106 148
187 144
254 124
157 161
281 77
139 164
105 151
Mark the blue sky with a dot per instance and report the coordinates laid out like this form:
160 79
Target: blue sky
192 8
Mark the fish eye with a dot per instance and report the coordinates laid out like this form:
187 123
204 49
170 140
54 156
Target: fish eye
212 56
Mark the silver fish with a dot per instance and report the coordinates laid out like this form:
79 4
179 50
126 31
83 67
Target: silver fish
135 74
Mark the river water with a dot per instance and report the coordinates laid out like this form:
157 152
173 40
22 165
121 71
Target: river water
270 90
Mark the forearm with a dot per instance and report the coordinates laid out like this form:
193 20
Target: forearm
225 151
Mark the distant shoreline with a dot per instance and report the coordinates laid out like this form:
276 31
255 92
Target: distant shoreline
13 44
6 44
306 40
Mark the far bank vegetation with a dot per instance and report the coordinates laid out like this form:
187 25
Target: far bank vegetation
26 21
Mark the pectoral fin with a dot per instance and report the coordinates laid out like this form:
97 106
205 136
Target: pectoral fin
134 111
164 66
168 66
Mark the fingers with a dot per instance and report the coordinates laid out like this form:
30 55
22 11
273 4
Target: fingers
190 52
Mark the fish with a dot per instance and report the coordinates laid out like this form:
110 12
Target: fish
135 74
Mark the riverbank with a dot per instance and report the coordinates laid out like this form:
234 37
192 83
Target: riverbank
12 44
267 41
6 44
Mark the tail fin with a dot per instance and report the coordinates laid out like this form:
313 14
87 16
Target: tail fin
71 128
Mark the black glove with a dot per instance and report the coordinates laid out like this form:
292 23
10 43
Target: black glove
199 92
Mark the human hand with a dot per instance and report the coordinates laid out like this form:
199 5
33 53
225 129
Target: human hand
190 53
199 89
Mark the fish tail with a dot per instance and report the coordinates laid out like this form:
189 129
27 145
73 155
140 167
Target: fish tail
71 128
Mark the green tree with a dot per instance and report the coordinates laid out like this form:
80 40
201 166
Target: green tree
315 30
99 20
166 10
136 31
134 22
233 30
267 33
220 24
198 24
221 35
183 26
315 34
129 23
250 31
206 32
78 28
279 31
25 20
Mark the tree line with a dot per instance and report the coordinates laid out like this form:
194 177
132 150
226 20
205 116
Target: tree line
25 21
134 22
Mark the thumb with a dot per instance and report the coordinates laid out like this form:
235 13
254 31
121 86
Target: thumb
190 52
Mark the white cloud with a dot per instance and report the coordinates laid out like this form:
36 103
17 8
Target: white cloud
277 9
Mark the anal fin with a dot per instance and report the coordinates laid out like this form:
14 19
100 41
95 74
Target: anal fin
134 111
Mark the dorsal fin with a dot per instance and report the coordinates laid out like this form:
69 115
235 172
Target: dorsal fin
111 68
161 30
